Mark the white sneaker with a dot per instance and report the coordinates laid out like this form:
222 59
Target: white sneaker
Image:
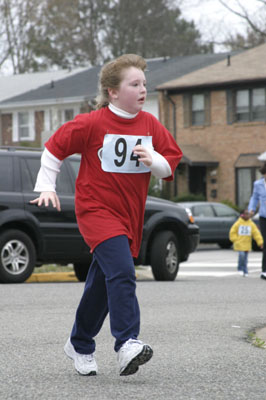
85 364
132 354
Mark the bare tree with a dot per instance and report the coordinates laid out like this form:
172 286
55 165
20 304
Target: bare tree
40 34
17 20
71 31
255 23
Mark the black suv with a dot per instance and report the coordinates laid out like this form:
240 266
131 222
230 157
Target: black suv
31 236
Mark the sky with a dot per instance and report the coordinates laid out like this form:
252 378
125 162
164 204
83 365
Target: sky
213 20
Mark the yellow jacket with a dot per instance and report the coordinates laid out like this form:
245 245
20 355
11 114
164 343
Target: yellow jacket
241 234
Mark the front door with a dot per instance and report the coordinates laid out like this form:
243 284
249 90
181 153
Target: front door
197 180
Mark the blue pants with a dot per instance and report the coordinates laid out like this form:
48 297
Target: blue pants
110 287
243 261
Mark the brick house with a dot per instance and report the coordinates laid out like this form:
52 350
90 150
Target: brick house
218 116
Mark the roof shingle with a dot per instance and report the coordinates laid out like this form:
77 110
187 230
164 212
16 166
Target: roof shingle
246 66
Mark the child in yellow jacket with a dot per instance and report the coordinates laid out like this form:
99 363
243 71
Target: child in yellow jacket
241 234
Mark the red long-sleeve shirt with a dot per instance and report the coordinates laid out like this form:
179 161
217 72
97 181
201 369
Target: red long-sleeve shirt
112 203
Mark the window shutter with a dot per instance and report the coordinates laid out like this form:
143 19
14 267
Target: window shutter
15 135
187 109
230 106
32 125
207 108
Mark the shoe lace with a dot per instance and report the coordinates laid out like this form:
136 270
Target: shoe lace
130 342
87 357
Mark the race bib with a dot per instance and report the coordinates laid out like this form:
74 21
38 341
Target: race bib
118 156
244 230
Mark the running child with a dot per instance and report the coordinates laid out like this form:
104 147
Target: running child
120 146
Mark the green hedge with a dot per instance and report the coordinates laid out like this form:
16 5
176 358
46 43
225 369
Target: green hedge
189 197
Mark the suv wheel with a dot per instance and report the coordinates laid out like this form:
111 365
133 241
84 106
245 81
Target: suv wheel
17 257
226 244
81 270
165 256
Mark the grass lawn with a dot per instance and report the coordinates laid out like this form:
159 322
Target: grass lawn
53 268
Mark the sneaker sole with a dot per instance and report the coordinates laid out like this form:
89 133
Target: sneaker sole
144 356
92 373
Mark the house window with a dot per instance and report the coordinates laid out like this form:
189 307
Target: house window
242 105
246 105
68 115
23 126
244 184
64 115
258 104
54 118
196 108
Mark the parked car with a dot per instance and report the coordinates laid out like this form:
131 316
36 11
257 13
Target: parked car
31 236
214 220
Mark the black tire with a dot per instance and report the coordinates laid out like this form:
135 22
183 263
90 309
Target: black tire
165 256
227 244
17 256
81 270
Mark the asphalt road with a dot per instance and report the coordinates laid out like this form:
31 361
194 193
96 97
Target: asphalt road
198 327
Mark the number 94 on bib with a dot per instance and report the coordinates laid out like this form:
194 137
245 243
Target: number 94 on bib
118 156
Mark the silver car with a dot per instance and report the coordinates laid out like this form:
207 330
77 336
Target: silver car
214 220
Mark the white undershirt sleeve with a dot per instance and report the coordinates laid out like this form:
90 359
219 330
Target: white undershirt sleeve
50 167
160 167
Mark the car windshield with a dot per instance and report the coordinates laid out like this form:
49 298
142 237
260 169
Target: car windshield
203 210
224 211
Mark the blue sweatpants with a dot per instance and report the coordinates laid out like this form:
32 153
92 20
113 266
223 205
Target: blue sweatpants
110 287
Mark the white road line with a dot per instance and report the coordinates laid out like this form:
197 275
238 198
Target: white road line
216 264
217 274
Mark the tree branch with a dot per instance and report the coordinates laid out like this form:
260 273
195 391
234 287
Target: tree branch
244 15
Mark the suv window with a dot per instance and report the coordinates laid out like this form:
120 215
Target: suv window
30 168
75 166
6 175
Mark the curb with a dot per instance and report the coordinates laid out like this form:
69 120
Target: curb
141 274
53 277
71 277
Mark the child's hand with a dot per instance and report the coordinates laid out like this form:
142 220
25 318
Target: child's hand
261 247
45 198
144 155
